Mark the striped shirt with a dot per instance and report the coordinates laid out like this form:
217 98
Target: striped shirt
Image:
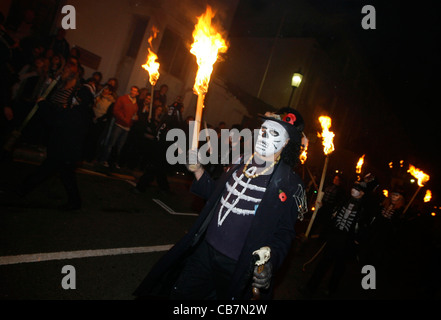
61 96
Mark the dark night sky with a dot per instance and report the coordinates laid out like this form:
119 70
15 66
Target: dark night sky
401 52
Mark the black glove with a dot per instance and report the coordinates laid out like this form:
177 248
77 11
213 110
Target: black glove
262 280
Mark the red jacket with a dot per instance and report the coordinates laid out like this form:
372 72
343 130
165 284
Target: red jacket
124 110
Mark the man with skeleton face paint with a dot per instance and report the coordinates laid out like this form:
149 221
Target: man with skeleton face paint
253 205
272 139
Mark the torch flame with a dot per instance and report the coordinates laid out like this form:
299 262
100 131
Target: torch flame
304 149
152 66
206 46
359 164
327 135
428 196
303 156
419 175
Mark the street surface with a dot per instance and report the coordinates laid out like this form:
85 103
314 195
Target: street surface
118 235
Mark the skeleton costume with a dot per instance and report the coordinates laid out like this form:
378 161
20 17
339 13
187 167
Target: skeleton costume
384 228
237 206
340 241
254 204
348 215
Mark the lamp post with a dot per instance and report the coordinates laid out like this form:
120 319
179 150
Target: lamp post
295 83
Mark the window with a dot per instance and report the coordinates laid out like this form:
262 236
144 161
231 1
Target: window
139 26
173 54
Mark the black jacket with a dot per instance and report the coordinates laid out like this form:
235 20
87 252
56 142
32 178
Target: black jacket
273 226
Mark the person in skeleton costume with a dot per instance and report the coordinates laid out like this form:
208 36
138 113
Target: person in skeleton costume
251 209
385 227
340 242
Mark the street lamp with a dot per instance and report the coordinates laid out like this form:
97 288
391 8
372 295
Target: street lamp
295 83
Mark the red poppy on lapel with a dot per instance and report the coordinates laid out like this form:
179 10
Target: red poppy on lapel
282 196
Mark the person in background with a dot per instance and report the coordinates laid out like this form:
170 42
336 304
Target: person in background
7 46
100 120
137 149
156 162
103 102
221 125
66 111
56 63
383 233
160 97
98 76
341 242
125 112
333 197
58 44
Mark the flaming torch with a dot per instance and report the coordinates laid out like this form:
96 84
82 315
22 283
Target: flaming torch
208 43
359 166
304 154
421 177
328 147
152 67
428 196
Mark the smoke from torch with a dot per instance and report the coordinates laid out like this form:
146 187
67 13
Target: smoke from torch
207 45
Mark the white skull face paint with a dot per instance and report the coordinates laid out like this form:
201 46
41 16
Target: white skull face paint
271 139
355 193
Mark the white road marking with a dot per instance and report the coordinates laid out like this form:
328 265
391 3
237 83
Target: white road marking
171 211
65 255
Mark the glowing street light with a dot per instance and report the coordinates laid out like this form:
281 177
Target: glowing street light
295 83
